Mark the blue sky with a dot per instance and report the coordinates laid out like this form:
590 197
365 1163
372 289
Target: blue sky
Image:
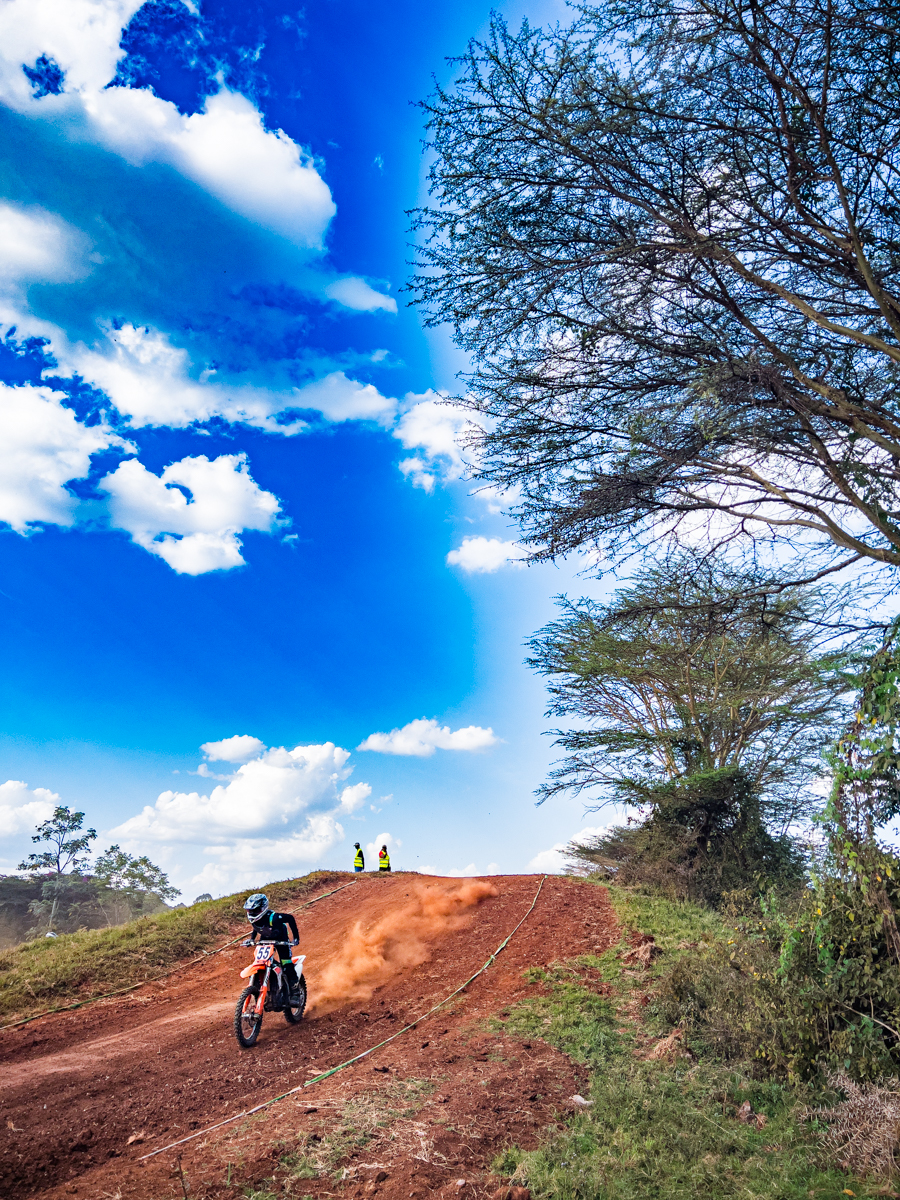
232 505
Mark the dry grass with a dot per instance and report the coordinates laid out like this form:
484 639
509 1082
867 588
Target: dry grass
864 1128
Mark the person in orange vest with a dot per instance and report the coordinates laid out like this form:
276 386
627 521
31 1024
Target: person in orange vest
384 859
359 863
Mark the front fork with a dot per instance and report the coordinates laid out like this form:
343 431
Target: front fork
264 990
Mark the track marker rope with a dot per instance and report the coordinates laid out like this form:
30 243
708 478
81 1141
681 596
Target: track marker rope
350 1061
156 978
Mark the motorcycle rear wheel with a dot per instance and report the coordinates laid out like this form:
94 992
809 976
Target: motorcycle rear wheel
247 1022
294 1014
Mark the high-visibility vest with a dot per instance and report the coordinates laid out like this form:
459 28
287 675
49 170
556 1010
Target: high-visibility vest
384 860
359 861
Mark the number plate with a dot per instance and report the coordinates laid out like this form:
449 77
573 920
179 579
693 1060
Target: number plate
263 954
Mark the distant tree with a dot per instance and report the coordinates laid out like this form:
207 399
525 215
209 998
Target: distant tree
130 882
66 852
702 701
669 236
67 855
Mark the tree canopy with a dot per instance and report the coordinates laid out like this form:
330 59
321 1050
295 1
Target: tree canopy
691 671
669 236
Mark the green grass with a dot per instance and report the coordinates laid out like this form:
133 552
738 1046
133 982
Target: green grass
52 972
660 1129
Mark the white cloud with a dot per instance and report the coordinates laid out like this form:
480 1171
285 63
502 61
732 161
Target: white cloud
254 862
553 861
436 430
451 872
42 447
343 399
238 749
261 174
273 817
263 800
355 293
421 738
21 809
354 797
81 35
37 246
429 425
481 555
197 535
383 839
149 380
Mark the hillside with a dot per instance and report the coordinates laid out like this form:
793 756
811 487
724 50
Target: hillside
486 1093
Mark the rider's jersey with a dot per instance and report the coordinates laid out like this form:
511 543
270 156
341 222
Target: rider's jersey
276 927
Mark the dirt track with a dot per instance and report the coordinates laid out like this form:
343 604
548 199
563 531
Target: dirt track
163 1061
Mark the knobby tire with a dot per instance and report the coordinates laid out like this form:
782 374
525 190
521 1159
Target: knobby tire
294 1015
246 1040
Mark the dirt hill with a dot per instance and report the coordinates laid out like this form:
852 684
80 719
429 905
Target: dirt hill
86 1094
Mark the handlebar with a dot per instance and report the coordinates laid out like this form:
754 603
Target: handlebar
269 942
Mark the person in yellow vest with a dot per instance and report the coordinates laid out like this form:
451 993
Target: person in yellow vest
359 863
384 859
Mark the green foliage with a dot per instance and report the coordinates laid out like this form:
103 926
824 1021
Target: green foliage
663 853
668 1129
65 852
839 980
670 1133
705 700
122 872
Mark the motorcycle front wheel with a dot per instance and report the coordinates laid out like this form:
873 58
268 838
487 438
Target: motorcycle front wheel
293 1014
247 1022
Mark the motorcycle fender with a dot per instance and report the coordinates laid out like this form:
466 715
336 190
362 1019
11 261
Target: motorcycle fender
248 971
298 960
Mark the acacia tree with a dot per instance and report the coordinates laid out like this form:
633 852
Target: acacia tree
62 862
670 238
130 882
702 701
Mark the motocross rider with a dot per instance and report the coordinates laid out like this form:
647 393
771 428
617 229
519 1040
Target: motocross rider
277 927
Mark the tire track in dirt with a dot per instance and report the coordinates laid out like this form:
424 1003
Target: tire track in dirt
163 1062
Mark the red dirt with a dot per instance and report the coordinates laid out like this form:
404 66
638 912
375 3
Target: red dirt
163 1061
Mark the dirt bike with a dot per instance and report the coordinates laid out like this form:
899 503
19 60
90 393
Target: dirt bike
267 991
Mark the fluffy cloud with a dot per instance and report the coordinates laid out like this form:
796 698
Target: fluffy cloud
354 797
553 861
253 862
383 839
37 246
21 809
238 749
421 738
481 555
197 534
150 381
261 174
451 872
432 427
265 800
279 812
355 293
342 399
42 447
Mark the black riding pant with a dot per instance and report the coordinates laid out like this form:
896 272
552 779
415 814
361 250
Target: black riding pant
291 978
